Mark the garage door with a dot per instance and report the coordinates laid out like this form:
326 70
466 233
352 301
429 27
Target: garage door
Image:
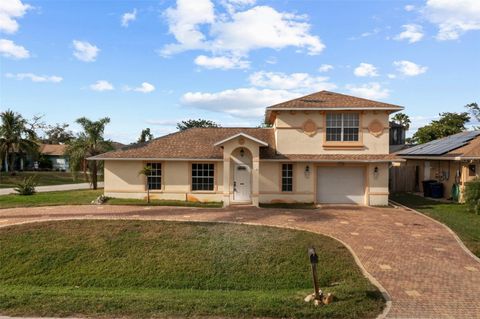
341 185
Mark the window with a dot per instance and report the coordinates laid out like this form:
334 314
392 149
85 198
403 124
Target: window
472 170
342 127
287 177
203 177
155 177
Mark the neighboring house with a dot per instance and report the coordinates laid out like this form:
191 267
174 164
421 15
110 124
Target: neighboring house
323 148
397 137
55 153
453 161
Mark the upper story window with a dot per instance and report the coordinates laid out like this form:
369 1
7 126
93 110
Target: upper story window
155 176
342 127
203 176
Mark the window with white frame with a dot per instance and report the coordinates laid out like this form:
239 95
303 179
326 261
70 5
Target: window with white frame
287 177
203 176
342 127
155 177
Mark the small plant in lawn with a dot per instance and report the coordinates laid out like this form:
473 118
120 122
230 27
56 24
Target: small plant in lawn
27 186
472 195
146 171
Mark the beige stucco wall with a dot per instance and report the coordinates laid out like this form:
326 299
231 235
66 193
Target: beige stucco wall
123 181
291 139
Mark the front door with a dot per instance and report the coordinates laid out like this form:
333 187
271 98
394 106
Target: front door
241 183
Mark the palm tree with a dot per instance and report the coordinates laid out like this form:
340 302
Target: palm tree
146 171
15 137
402 119
89 143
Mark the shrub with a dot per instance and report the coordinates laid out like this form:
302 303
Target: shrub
27 186
472 195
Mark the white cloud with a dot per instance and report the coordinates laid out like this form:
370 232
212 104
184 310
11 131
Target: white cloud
325 68
9 49
129 17
365 69
236 33
35 78
242 102
184 22
391 76
221 62
409 68
102 85
10 10
85 51
411 32
409 7
264 27
453 18
371 90
145 87
301 82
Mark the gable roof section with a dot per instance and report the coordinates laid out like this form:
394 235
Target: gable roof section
464 144
256 140
194 143
326 100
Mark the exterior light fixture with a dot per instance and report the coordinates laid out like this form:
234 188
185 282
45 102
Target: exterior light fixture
307 171
312 255
242 152
375 171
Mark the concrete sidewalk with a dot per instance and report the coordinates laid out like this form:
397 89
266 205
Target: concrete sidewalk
52 188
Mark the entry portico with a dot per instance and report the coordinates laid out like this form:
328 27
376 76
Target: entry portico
241 166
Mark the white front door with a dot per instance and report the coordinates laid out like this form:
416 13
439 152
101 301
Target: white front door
241 183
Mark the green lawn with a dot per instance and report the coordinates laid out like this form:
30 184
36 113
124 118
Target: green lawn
43 178
162 269
155 202
455 216
76 197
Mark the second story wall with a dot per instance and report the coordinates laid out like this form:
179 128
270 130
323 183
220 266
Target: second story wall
304 132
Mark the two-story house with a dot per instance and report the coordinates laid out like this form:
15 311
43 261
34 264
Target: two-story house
323 148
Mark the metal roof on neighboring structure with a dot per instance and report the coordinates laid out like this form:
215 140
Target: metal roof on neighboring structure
441 146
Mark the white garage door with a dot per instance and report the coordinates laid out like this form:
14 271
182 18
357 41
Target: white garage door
341 185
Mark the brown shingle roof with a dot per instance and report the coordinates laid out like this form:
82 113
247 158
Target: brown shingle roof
329 100
472 149
195 143
52 149
198 143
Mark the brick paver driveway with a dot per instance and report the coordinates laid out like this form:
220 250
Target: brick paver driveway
425 271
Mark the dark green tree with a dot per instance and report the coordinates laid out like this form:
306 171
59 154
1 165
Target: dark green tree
145 136
57 134
185 125
15 137
89 143
448 124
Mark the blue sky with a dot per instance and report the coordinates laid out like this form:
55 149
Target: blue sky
154 63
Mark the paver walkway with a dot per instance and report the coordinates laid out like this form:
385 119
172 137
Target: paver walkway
425 271
54 188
